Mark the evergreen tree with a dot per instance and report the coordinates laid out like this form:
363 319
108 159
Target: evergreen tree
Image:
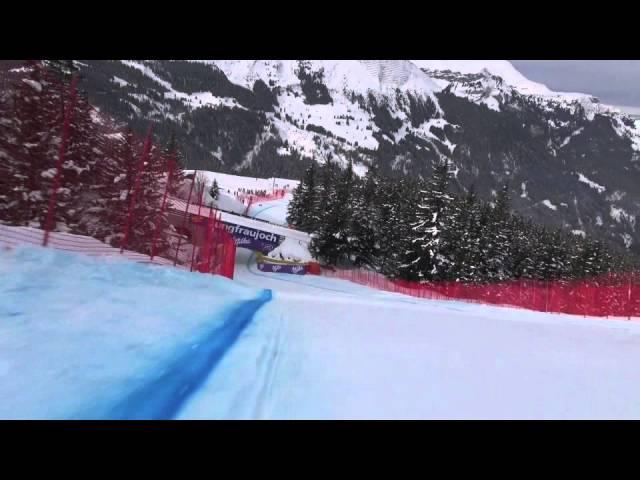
175 163
302 209
500 234
37 102
364 225
464 237
387 226
326 243
214 191
116 178
522 248
64 68
428 256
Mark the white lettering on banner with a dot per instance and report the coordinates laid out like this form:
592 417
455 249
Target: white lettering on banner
248 232
296 269
275 268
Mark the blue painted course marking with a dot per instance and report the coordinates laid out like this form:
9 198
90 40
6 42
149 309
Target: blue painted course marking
162 398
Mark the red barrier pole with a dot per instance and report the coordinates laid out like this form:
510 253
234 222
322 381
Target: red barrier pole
214 233
546 302
533 294
629 299
132 202
201 194
62 150
200 198
184 219
520 292
207 248
200 249
162 208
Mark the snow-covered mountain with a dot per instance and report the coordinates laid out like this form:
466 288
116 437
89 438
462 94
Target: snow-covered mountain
500 68
271 118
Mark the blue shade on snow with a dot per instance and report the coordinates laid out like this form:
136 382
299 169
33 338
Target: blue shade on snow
162 398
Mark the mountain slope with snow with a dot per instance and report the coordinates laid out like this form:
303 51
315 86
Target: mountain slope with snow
271 118
501 68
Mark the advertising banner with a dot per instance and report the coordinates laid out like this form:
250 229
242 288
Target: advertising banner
253 239
280 268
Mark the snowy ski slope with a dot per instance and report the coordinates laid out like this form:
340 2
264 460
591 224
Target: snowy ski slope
327 349
84 337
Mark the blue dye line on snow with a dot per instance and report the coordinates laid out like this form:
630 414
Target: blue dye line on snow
162 398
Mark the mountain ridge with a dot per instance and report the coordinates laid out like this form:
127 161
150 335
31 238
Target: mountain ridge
272 118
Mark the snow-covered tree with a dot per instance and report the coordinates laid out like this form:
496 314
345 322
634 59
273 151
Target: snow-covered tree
464 235
214 191
428 256
302 210
329 242
32 128
499 236
364 222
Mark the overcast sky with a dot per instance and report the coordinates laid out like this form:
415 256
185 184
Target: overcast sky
614 82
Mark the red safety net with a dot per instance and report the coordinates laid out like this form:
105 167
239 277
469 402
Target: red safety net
217 253
250 199
611 295
137 179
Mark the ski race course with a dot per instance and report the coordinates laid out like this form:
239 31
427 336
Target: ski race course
113 337
109 338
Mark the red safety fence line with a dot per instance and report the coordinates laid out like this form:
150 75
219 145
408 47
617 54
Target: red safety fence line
162 208
611 295
145 217
17 236
143 160
62 150
186 210
278 194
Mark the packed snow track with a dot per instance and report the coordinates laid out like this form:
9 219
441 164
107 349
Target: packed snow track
329 349
85 337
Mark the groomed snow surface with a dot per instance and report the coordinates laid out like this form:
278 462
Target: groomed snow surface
81 337
108 338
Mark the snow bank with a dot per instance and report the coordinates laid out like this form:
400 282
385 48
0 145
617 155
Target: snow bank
78 334
291 250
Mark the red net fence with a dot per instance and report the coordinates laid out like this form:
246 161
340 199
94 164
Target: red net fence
251 198
611 295
71 179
